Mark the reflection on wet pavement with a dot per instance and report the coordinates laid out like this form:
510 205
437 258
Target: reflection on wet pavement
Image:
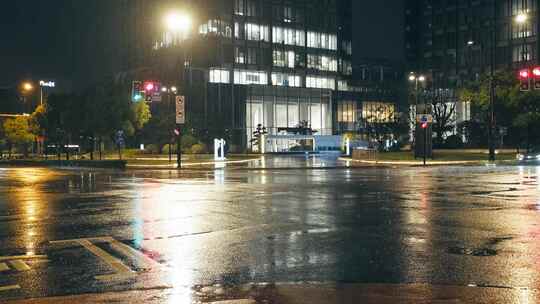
457 226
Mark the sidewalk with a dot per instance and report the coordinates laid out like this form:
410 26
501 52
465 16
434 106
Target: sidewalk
309 294
188 162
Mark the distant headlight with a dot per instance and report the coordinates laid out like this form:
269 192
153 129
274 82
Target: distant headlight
520 156
538 156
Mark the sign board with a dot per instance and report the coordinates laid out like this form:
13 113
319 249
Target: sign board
156 97
423 118
120 140
180 110
49 84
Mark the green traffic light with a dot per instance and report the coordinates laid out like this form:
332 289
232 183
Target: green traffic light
137 97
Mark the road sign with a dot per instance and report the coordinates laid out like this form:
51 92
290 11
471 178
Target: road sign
120 141
180 110
424 118
156 97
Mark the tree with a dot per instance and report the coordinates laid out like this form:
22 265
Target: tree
443 110
509 105
141 115
18 132
381 125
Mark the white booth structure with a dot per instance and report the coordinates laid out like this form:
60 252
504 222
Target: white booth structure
300 143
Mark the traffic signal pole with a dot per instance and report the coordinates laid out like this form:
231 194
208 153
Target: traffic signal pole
179 148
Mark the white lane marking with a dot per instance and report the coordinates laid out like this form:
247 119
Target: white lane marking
22 257
113 262
122 271
19 265
141 260
3 267
9 287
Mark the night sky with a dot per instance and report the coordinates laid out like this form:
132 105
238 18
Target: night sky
71 41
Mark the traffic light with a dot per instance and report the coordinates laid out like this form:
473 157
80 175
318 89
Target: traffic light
424 125
149 87
524 80
536 78
137 92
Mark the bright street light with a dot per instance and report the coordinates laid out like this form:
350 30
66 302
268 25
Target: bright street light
27 87
178 22
420 78
522 18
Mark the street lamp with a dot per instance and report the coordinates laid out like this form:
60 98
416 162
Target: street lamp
522 18
27 87
178 22
416 79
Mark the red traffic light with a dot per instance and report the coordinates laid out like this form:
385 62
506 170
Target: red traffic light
424 125
149 86
524 74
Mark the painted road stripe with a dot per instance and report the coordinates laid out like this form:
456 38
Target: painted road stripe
141 260
3 267
22 257
9 287
114 263
19 265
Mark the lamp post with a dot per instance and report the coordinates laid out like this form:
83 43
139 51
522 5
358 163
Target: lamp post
179 24
169 91
417 79
44 84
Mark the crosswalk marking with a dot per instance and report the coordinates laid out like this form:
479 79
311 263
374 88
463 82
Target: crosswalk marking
19 265
9 287
22 257
121 270
3 267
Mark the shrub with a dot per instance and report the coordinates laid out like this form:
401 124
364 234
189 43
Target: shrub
199 148
151 149
167 147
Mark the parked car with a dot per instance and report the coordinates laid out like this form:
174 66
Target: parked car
533 155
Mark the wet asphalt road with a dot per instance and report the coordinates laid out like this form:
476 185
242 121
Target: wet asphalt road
464 226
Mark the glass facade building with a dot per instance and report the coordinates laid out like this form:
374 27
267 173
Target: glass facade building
453 39
248 62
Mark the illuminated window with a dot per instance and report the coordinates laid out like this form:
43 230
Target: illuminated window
216 28
250 77
239 55
219 76
322 41
288 36
284 59
323 63
346 111
378 112
256 32
320 82
287 80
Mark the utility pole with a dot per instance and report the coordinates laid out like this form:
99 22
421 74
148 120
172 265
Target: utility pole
491 142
